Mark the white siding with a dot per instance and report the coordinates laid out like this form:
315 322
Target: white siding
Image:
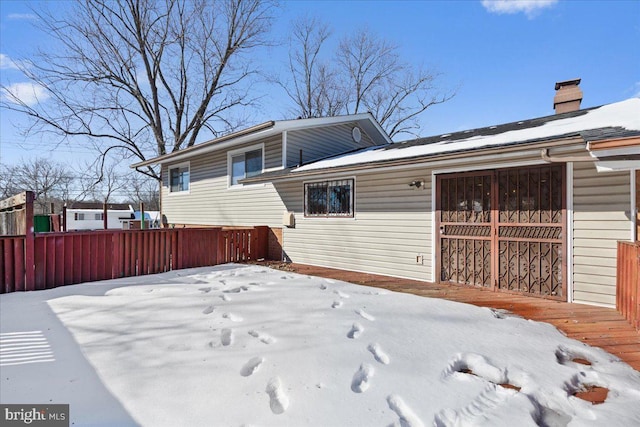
90 223
601 205
392 226
209 201
321 142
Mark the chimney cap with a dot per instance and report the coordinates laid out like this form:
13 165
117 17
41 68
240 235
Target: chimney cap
572 82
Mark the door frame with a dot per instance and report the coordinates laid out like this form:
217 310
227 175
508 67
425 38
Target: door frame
566 210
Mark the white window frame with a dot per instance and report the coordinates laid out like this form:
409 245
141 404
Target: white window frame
352 215
179 166
234 153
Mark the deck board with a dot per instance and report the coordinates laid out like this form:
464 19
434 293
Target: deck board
596 326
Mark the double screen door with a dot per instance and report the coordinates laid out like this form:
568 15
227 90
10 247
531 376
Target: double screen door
504 229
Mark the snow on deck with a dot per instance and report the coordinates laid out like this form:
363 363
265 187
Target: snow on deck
247 345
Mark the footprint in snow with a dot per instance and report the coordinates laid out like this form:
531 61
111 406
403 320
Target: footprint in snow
226 337
225 297
406 415
365 315
208 310
361 378
265 338
205 290
232 317
378 353
355 331
251 366
237 290
323 286
278 400
336 304
341 294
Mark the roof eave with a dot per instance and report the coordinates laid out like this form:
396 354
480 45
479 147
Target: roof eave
213 144
517 146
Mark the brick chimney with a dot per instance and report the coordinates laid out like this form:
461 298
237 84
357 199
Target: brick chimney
568 96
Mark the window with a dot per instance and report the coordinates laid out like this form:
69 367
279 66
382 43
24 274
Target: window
179 178
78 216
99 216
329 198
244 164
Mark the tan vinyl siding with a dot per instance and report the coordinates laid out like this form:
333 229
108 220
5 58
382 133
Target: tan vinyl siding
321 142
601 217
392 226
210 201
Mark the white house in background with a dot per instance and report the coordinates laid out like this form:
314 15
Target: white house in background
90 216
534 207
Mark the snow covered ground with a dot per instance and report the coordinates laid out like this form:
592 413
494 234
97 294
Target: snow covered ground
249 346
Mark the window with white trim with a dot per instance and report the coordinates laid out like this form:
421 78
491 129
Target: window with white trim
329 198
245 164
179 178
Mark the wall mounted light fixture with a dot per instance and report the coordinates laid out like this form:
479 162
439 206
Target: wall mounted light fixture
417 183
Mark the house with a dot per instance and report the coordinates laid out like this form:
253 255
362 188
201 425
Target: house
535 206
152 219
90 215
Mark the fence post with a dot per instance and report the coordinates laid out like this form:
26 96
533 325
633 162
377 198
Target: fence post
142 225
105 223
29 244
261 242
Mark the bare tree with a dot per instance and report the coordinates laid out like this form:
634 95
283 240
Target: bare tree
145 190
314 88
49 180
102 182
369 75
145 77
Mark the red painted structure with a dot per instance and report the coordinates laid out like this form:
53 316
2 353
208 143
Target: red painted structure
59 259
628 282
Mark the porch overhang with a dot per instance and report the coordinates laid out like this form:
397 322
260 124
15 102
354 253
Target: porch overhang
620 154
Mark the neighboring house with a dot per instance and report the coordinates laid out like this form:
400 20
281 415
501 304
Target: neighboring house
90 216
152 220
518 207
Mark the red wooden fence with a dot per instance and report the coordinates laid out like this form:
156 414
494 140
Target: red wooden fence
628 282
74 257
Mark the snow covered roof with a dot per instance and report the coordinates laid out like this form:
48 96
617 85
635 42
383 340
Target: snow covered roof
268 129
617 120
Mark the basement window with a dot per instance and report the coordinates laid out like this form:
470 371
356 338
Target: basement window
329 198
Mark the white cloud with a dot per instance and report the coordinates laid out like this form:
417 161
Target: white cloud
22 16
27 93
529 7
7 63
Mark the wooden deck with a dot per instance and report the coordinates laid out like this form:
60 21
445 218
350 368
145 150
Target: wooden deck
596 326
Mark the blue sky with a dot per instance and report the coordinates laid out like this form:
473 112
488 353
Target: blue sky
503 57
